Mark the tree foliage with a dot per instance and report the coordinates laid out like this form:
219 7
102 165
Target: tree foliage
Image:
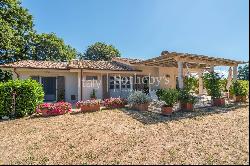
5 76
243 72
50 47
16 25
19 41
100 51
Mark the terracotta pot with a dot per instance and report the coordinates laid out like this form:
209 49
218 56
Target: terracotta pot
166 110
187 106
89 108
219 102
116 106
140 107
240 98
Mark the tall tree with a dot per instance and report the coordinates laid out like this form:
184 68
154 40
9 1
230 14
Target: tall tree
50 47
100 51
243 72
16 25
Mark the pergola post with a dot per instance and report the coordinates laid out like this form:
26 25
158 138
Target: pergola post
212 68
200 82
235 72
180 74
79 84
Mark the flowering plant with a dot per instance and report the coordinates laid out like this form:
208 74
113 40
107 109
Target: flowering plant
87 103
138 97
115 102
54 108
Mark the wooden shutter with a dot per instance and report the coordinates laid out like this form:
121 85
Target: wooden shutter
105 87
60 88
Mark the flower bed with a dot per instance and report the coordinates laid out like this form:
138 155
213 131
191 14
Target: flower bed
50 109
115 103
88 105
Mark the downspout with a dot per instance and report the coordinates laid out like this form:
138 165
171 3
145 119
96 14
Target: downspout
81 85
17 75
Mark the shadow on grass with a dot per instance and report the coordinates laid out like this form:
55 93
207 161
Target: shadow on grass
148 118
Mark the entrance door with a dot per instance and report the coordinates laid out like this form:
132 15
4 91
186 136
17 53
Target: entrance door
49 87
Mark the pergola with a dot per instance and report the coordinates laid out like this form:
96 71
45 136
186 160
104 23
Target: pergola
193 61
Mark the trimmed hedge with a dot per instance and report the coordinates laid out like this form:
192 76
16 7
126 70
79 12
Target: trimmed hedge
29 93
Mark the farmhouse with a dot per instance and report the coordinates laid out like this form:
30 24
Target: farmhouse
75 80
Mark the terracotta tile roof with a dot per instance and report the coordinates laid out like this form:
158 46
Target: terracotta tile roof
99 65
75 64
36 64
128 60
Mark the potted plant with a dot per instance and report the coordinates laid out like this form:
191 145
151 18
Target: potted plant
88 105
93 94
159 93
115 103
187 100
139 101
240 90
212 83
170 97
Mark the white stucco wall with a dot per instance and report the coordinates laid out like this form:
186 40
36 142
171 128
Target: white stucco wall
70 79
88 86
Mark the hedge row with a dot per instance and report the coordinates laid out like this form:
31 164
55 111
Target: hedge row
19 98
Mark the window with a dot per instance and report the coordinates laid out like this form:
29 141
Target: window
111 83
125 83
91 77
114 82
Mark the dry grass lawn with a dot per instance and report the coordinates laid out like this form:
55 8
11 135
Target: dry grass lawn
212 136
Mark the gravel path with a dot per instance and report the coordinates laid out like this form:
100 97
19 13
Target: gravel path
212 136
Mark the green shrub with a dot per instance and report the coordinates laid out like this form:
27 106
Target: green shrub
186 97
240 88
29 93
212 83
159 93
169 96
223 83
138 97
5 76
191 84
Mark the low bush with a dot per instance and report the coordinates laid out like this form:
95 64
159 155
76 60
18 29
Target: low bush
191 84
19 98
240 88
185 97
115 102
212 83
159 93
58 108
138 97
170 97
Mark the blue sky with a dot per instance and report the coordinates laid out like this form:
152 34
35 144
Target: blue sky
144 28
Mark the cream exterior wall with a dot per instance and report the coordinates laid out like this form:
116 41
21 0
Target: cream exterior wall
70 79
73 82
88 86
